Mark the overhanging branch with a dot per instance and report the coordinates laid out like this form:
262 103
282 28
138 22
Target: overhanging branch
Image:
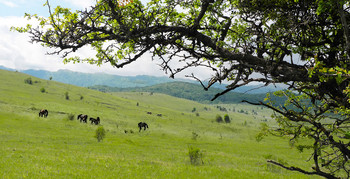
320 173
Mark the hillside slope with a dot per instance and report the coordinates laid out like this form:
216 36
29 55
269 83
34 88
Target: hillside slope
93 79
193 92
56 147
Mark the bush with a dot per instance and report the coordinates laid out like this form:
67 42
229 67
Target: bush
100 133
28 81
194 110
195 136
195 155
66 95
218 118
227 118
128 131
70 117
42 90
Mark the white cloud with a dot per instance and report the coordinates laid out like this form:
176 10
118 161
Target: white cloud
16 52
8 3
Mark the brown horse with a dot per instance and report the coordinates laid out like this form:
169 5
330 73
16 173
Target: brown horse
43 113
82 118
142 125
95 121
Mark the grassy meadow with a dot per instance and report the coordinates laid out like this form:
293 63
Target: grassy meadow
56 147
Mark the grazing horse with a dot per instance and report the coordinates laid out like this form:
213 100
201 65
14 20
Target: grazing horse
142 125
82 118
95 121
43 113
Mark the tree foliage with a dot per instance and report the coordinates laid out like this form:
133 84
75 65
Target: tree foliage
28 81
227 118
100 133
302 43
218 118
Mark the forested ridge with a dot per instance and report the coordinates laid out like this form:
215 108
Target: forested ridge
188 91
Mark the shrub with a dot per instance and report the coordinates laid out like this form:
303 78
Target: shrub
81 97
194 136
227 118
42 90
195 155
128 131
70 117
100 133
194 110
245 123
28 81
218 118
66 95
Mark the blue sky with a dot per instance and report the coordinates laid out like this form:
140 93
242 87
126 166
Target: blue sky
16 52
19 7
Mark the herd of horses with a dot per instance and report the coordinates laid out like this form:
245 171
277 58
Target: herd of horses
83 118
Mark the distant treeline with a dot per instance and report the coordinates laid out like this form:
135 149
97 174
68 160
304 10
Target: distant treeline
190 91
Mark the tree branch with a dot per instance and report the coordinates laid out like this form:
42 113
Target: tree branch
320 173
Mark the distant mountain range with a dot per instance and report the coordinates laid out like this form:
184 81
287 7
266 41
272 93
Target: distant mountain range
91 79
113 82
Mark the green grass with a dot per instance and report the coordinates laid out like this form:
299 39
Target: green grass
55 147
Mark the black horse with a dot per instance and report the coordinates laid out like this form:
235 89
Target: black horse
95 121
142 125
82 118
43 113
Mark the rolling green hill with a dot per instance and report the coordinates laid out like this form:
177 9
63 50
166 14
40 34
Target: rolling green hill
108 80
191 91
56 147
91 79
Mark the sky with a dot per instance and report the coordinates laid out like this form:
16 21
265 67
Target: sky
18 53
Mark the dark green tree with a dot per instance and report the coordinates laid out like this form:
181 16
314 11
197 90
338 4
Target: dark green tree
100 133
28 81
66 95
42 90
227 118
301 43
218 118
